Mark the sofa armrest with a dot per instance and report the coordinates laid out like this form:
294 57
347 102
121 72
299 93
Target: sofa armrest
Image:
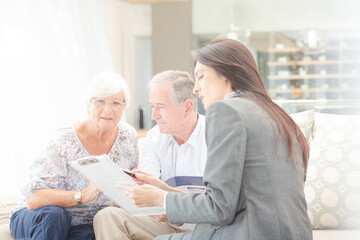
5 233
336 234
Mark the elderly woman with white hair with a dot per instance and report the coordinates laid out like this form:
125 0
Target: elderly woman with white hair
57 202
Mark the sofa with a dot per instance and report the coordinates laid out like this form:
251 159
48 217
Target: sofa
6 203
332 187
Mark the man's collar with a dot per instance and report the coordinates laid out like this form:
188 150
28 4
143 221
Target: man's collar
171 139
193 139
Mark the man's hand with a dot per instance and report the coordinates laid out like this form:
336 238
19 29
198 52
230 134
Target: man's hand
147 178
160 218
163 218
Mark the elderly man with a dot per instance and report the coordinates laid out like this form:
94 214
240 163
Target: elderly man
174 147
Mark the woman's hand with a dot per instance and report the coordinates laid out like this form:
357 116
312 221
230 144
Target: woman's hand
147 178
90 193
144 195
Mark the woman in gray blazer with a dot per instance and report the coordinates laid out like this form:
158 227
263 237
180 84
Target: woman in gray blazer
257 158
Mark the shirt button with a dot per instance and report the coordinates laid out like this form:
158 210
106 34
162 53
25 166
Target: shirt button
217 227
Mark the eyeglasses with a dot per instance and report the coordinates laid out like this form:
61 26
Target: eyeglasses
115 104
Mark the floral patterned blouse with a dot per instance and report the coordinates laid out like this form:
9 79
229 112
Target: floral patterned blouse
51 169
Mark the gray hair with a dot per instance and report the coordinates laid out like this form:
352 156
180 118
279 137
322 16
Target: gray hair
181 86
106 84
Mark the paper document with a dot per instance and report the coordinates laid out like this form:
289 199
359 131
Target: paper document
105 174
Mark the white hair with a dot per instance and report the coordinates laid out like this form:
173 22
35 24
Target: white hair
181 86
106 84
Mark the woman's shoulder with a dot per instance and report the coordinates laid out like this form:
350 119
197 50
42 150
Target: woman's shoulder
62 138
239 109
64 133
234 105
126 130
240 101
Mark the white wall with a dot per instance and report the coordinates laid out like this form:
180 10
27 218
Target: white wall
142 61
214 16
126 23
171 36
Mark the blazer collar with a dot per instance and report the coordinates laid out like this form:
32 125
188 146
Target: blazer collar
234 94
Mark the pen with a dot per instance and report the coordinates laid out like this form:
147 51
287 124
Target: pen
130 174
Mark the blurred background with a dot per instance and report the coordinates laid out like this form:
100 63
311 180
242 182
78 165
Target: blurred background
308 54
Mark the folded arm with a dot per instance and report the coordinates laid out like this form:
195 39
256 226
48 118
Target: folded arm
46 196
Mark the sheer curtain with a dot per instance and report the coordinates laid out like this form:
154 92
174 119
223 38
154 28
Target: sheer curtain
49 49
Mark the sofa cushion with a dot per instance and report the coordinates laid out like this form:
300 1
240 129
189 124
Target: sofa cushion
332 188
6 203
305 121
5 233
336 234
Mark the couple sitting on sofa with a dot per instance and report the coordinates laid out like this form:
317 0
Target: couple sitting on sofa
58 203
256 160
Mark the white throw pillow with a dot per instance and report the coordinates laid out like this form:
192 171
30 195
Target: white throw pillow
332 188
305 121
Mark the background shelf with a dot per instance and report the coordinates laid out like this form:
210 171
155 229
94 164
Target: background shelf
313 62
313 76
297 49
295 90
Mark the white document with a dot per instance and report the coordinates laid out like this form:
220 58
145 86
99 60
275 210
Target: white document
105 174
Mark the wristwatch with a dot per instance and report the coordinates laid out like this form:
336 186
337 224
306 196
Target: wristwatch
77 197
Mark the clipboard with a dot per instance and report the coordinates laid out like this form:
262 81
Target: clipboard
105 174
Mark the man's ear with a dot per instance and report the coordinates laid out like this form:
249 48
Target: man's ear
189 105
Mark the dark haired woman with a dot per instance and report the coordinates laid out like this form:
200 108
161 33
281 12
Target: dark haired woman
257 157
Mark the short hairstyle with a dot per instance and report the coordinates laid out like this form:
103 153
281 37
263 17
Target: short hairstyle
106 84
181 86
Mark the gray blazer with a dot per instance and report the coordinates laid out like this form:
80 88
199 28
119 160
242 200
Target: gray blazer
253 190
